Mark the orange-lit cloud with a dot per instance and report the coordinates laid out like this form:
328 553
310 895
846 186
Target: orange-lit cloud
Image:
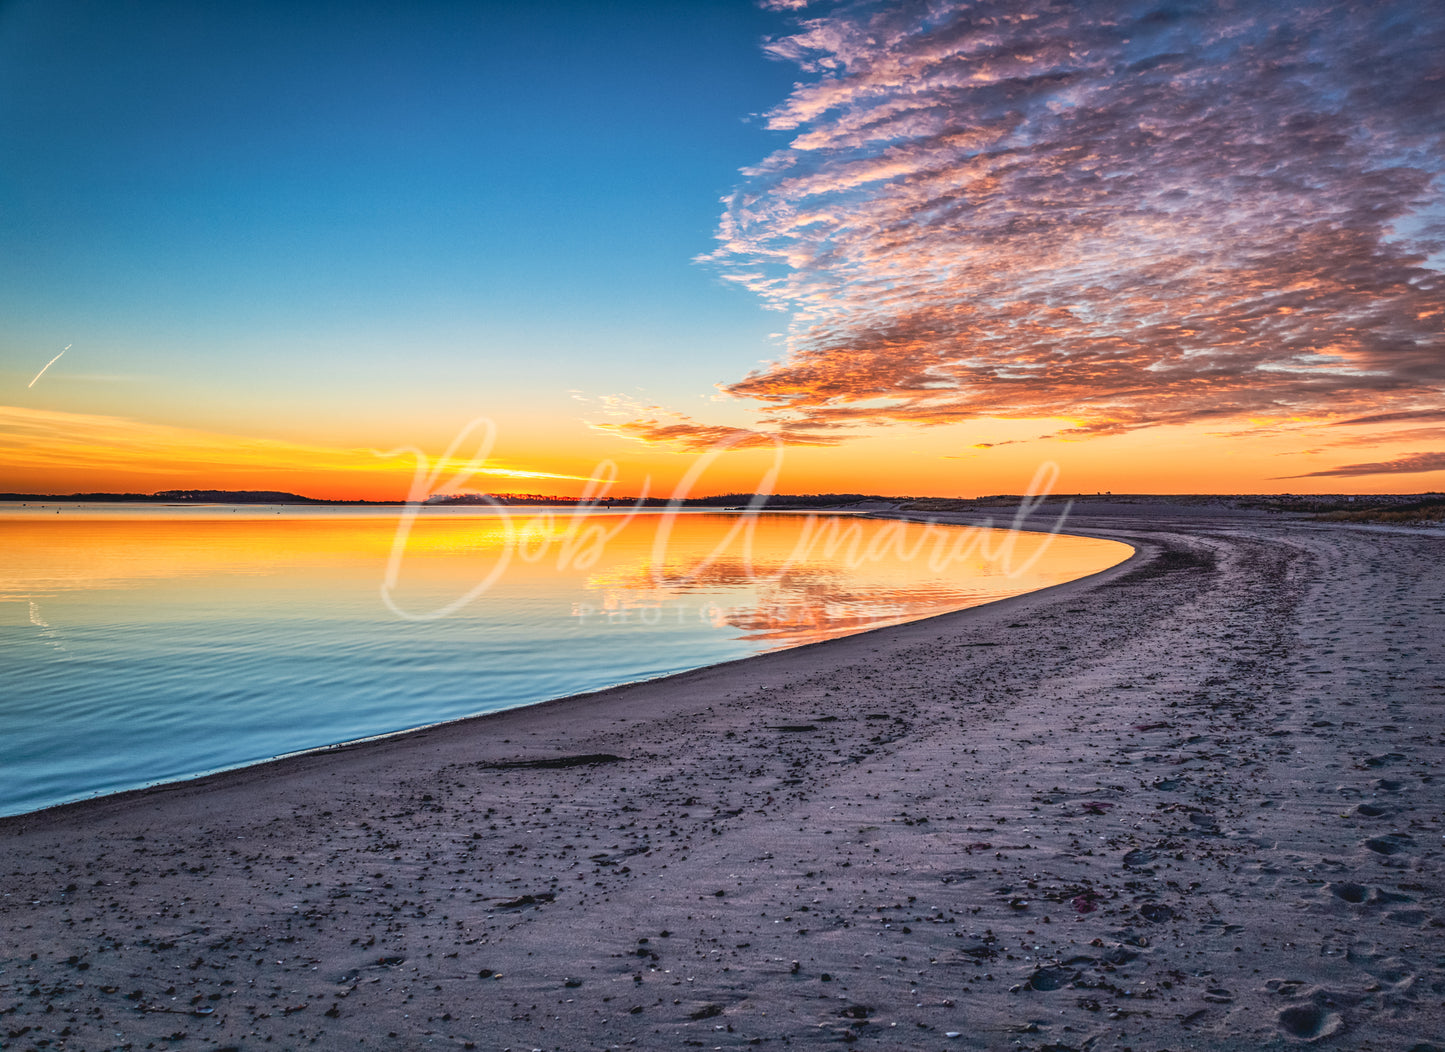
656 424
1411 463
1404 416
1118 215
1375 438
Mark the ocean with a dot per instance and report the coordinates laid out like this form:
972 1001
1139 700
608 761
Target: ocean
142 644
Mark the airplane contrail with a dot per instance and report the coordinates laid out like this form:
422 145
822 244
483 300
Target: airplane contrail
48 364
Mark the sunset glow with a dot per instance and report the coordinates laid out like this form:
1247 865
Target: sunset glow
1169 250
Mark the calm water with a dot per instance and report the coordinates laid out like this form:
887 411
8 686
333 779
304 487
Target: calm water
140 645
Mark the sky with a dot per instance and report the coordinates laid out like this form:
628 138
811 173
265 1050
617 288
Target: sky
906 248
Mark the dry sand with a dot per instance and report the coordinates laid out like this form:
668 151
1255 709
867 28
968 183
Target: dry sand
1191 803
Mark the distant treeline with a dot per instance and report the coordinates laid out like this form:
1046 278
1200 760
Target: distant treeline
183 496
236 496
1340 507
722 500
96 498
254 496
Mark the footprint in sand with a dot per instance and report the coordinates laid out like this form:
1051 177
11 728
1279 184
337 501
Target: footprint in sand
1051 979
1309 1022
1354 893
1390 843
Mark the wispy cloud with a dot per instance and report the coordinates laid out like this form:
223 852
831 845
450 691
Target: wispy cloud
658 425
1376 438
1402 416
1113 213
1411 463
690 436
48 364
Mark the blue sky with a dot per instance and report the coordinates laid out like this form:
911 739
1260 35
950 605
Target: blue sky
296 202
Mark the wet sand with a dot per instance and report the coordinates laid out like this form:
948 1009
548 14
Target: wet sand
1194 802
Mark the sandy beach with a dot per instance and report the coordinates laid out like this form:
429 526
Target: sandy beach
1193 802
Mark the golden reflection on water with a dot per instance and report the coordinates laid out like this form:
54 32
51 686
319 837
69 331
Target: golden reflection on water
149 645
802 579
784 578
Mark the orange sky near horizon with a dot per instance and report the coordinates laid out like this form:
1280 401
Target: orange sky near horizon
43 451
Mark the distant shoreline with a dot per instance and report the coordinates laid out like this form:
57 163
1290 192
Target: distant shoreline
273 497
1306 503
219 497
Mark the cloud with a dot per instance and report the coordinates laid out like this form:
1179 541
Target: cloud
1393 418
657 425
1411 463
1119 214
1375 438
48 364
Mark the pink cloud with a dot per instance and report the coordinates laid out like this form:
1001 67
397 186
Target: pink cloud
1081 211
1409 464
657 425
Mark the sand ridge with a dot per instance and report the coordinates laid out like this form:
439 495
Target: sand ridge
1191 802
